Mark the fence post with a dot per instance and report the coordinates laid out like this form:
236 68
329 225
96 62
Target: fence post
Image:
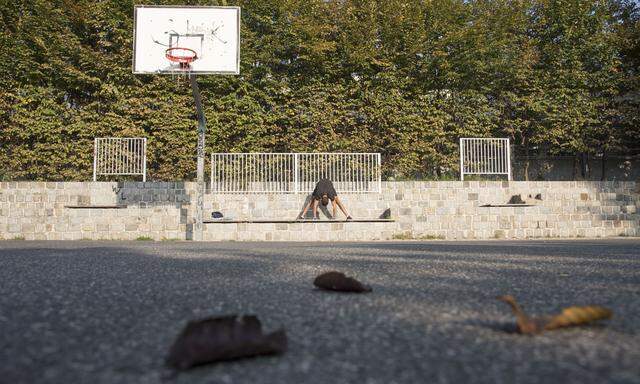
296 168
461 162
508 159
379 156
144 161
95 157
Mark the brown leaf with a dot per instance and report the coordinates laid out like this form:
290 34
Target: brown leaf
337 281
569 317
223 338
525 324
578 316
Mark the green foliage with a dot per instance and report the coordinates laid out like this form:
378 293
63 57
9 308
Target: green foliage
407 78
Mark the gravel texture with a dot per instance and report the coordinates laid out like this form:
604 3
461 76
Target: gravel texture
107 312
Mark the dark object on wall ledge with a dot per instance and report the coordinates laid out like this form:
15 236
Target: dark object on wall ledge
530 199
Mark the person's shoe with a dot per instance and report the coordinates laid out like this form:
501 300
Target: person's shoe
349 218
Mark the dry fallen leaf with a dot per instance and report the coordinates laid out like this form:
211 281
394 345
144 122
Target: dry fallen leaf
568 317
223 338
337 281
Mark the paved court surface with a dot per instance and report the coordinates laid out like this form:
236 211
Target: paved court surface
106 312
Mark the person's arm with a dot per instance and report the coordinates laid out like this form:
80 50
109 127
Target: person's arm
304 212
342 208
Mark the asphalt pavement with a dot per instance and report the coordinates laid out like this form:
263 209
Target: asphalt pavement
107 312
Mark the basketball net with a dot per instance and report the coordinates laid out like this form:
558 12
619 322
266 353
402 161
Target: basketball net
183 57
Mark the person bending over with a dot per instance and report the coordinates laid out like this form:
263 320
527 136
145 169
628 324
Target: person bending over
322 193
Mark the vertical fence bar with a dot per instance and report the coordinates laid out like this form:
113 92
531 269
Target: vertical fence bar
494 167
379 171
503 150
144 159
296 169
474 151
461 159
95 157
508 149
483 165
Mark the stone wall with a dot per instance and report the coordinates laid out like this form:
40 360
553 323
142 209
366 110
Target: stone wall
427 210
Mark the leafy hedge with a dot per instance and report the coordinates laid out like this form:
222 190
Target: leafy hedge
403 77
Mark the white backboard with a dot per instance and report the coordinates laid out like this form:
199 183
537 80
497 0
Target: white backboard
212 32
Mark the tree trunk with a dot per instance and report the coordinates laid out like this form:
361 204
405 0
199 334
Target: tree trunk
584 166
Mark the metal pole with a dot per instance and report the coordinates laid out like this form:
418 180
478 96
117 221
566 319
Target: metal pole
296 168
144 160
95 157
202 127
461 160
379 173
509 160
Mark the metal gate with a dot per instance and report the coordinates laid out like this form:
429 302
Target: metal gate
485 156
120 156
294 172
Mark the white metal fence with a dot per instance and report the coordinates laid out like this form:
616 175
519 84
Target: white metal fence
120 156
294 172
485 156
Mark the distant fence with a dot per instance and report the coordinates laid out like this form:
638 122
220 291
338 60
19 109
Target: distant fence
294 172
119 156
485 156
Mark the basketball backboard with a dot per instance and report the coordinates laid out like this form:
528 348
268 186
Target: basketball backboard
177 39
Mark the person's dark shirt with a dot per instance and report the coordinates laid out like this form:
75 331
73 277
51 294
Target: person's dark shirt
324 186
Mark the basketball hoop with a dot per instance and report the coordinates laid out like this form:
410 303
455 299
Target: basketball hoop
182 56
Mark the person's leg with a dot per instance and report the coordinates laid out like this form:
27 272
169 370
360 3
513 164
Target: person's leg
342 208
304 212
315 208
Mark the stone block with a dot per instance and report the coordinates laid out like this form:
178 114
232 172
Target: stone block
14 228
102 227
405 211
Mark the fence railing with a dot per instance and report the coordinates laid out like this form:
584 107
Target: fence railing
120 156
294 172
485 156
